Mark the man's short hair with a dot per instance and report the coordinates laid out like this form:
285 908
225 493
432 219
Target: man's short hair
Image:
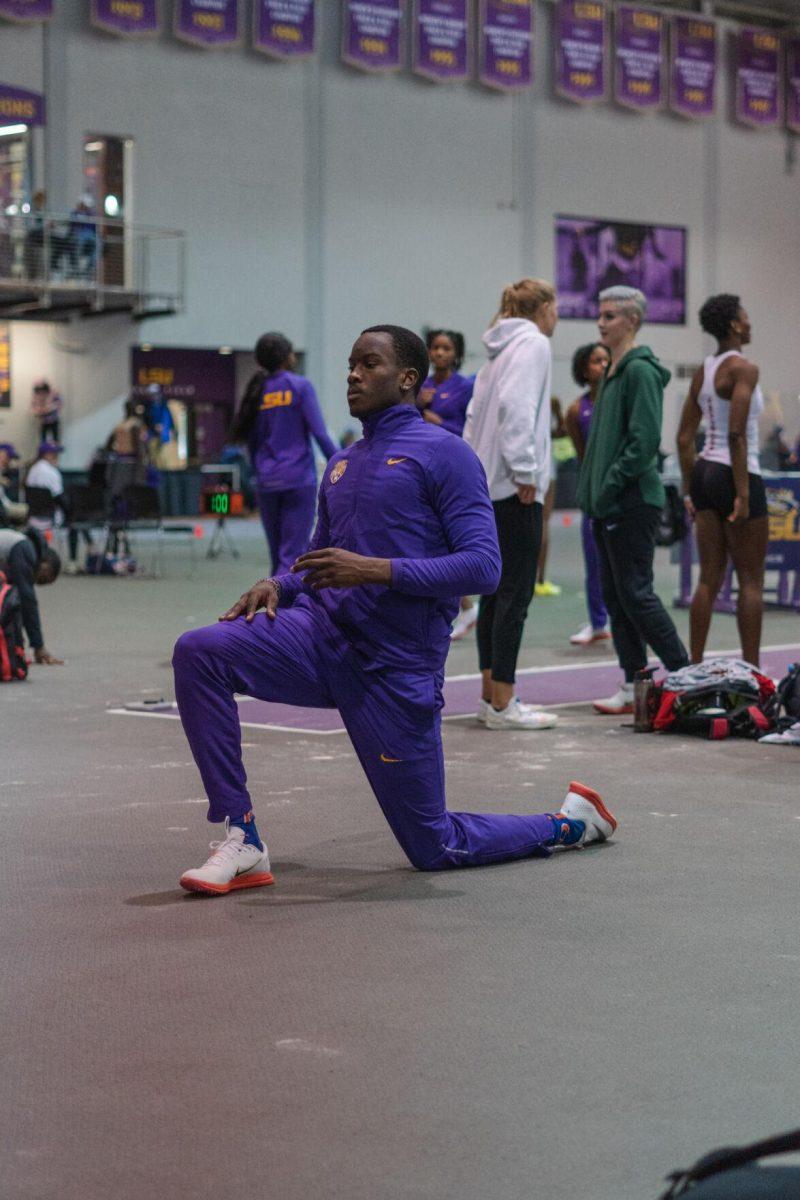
51 561
718 313
409 350
632 302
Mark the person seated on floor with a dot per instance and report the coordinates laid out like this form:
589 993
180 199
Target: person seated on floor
45 474
11 511
27 560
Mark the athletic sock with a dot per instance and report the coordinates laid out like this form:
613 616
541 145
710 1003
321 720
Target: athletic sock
247 824
566 831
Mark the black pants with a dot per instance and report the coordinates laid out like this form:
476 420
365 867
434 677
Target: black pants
626 546
501 616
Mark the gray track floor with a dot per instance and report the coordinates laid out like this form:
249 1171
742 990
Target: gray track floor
553 1029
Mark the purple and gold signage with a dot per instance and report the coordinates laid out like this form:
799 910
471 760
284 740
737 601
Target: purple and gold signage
209 23
505 30
128 18
440 40
18 107
372 34
284 28
26 10
793 84
693 66
758 78
582 50
5 367
639 58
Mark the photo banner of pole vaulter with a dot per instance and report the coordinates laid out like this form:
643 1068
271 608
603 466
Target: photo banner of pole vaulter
211 24
372 34
693 66
26 10
582 68
593 254
759 78
20 107
440 40
127 18
285 29
5 367
505 44
783 507
793 84
639 58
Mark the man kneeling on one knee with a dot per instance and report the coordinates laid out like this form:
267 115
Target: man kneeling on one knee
361 623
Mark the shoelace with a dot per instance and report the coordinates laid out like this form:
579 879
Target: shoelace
229 848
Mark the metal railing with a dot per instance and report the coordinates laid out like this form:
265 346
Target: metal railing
45 255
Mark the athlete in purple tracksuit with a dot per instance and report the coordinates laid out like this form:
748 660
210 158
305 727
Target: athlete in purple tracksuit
362 624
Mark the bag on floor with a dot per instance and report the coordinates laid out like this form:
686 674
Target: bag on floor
718 698
672 525
13 663
734 1173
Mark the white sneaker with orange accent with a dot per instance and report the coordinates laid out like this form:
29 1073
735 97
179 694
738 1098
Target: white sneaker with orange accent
584 804
617 705
233 865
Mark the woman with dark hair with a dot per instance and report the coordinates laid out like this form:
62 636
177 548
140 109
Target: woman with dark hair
278 417
723 488
589 365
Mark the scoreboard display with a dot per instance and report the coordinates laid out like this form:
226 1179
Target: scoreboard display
221 502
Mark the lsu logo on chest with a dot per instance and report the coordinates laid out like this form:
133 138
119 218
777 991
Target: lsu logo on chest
276 400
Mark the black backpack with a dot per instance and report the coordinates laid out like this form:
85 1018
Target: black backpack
672 525
13 664
787 698
733 1173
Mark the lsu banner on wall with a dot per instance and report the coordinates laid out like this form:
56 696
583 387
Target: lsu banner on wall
793 84
639 58
505 33
209 23
129 18
758 78
582 50
20 107
26 10
783 506
372 34
440 40
284 28
693 66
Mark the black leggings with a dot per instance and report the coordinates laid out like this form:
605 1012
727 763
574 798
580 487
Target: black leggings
712 486
501 616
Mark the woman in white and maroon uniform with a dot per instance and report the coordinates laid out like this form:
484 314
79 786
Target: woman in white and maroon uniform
723 488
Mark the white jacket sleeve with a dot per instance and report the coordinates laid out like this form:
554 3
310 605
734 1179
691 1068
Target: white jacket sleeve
521 391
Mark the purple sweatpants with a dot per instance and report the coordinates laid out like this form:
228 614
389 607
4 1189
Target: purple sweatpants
392 718
594 590
288 518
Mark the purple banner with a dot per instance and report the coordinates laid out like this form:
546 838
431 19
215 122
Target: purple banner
758 78
196 376
213 24
18 107
693 66
793 84
506 41
440 40
129 18
284 28
372 34
26 10
639 58
582 50
5 367
783 506
593 254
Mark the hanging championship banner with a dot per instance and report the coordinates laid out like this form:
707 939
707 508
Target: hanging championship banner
26 10
582 50
440 40
793 84
639 58
693 66
758 78
128 18
5 367
20 107
372 34
505 32
284 28
213 24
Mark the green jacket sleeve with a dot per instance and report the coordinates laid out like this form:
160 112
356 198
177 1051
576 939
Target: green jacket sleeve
644 402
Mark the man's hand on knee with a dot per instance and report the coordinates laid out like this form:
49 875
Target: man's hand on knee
264 594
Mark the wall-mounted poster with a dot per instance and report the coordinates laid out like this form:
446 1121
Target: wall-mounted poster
758 78
440 40
693 66
141 18
5 367
208 23
582 50
505 41
593 253
372 34
284 28
639 54
793 84
26 10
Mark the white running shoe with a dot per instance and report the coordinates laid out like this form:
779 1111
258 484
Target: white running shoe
584 804
787 737
519 716
484 706
618 704
467 619
233 865
587 635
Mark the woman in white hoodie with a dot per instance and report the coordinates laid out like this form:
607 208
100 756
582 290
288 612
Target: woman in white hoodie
508 427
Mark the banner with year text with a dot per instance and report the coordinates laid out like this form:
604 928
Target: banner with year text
285 28
758 78
505 46
639 54
26 10
127 18
372 34
693 66
440 40
582 50
211 24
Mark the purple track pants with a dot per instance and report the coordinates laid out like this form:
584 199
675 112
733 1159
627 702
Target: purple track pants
392 717
288 518
594 588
